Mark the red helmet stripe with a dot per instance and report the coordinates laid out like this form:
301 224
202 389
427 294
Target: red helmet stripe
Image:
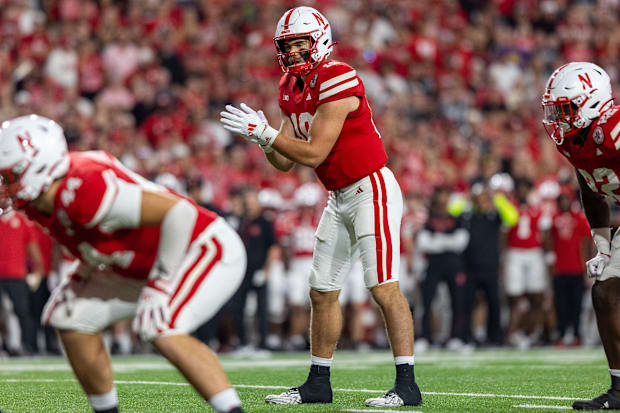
288 16
557 72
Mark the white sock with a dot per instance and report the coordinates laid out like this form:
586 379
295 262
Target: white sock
320 361
105 401
614 372
404 360
225 401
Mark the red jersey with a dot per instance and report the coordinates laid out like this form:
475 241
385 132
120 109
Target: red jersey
358 151
526 234
84 198
597 159
16 232
568 229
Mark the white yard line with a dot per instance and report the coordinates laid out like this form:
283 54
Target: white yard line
254 386
378 410
538 406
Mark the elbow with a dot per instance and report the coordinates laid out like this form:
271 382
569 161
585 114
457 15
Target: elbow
315 160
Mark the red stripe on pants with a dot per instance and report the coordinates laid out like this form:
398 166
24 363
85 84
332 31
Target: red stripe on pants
386 227
375 204
192 291
203 251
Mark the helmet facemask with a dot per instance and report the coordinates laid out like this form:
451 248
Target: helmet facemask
299 62
559 117
10 187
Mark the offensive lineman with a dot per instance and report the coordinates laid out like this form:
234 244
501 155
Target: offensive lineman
580 117
326 124
146 253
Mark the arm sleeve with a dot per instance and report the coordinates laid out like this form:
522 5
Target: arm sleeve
174 238
508 213
124 213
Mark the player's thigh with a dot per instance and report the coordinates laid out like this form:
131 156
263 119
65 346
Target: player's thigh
90 304
331 259
514 275
377 217
299 281
210 274
536 277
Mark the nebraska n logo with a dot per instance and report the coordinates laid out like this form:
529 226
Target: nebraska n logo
585 81
251 127
26 144
320 21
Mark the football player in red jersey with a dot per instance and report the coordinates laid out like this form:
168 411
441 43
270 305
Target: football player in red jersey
580 117
145 253
326 123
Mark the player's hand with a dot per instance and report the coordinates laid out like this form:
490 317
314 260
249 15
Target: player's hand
33 280
596 265
153 314
266 148
252 125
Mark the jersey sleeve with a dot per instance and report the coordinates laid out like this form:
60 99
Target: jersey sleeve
609 121
88 198
338 81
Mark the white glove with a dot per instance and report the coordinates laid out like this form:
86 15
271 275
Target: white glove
596 265
249 124
153 314
266 148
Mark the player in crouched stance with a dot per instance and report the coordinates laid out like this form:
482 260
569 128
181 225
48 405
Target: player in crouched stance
146 253
579 115
326 123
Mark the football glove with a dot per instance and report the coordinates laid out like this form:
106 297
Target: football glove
153 314
252 125
596 265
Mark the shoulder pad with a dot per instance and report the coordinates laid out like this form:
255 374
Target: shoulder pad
337 80
87 195
607 129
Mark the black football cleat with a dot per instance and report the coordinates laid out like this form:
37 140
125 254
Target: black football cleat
398 396
316 389
606 401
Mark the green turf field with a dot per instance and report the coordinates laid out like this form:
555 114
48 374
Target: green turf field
483 381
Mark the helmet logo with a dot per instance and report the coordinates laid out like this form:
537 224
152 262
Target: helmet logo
320 20
585 81
26 144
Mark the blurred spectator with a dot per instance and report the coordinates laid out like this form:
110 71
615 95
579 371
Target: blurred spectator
570 242
525 275
18 245
41 292
259 238
489 213
299 242
443 240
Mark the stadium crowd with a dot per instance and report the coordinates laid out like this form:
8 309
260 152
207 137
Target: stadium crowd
454 87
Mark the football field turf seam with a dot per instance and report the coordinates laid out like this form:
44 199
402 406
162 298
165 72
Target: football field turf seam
253 386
